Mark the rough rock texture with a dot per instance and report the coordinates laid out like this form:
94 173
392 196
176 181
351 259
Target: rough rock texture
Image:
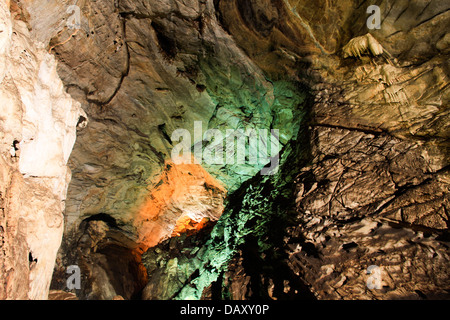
38 123
173 263
142 70
108 258
138 84
413 262
194 196
378 164
61 295
363 116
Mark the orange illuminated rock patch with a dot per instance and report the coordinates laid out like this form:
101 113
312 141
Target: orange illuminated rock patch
184 198
188 226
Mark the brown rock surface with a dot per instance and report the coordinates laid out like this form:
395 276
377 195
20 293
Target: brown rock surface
38 123
371 187
378 168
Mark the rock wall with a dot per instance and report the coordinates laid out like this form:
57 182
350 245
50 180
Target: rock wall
363 116
38 124
366 182
373 189
141 70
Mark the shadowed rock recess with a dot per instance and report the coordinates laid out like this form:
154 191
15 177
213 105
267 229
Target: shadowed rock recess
363 180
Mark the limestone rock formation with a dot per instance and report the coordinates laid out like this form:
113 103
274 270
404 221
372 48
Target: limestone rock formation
377 168
374 164
38 124
142 86
362 184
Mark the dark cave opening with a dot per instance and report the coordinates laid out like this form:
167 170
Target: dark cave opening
110 262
